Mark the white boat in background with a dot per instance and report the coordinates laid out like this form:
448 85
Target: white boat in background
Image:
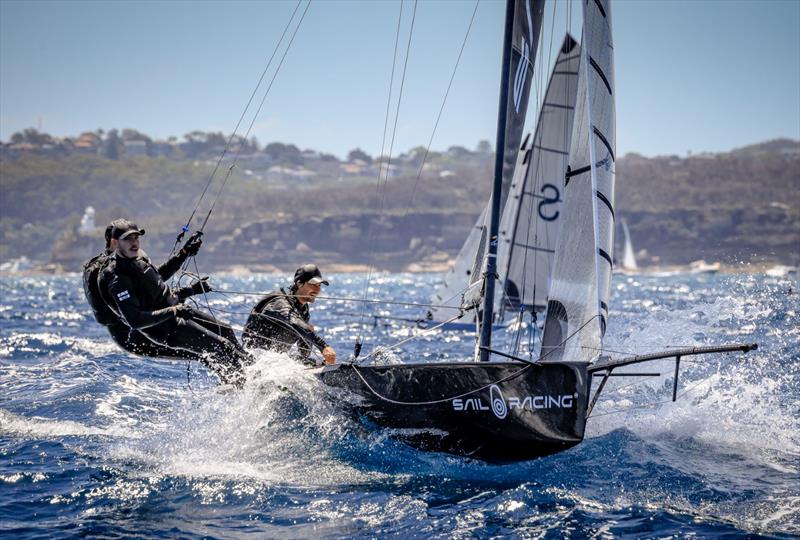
15 266
781 270
702 267
628 265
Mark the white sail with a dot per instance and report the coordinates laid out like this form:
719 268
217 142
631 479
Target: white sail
628 258
531 219
577 311
526 23
460 277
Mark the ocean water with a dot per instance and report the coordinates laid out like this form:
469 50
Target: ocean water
96 442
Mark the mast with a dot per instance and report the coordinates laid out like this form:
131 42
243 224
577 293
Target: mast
494 211
523 21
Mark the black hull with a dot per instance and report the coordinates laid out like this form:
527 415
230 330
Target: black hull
498 411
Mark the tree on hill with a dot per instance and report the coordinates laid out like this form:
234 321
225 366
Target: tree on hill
31 136
283 153
129 134
112 145
358 153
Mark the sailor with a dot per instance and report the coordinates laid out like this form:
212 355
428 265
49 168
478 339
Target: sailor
280 319
135 290
128 338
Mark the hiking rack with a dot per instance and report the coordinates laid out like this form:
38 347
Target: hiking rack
605 366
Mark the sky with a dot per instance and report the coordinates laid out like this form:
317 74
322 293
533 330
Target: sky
699 76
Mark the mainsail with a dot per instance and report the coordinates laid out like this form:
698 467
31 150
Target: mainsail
531 219
577 310
628 258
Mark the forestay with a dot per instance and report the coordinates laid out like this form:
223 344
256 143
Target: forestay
531 219
577 311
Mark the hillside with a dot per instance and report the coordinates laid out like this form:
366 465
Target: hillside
742 205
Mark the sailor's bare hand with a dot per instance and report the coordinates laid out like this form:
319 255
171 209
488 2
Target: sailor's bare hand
329 355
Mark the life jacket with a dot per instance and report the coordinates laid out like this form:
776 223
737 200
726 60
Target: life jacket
91 270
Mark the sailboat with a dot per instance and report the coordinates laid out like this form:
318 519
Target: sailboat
628 265
497 406
530 223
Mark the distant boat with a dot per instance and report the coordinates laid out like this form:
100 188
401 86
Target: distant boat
628 258
781 270
702 267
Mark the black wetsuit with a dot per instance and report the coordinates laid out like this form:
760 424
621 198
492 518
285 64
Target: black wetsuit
128 338
136 291
277 322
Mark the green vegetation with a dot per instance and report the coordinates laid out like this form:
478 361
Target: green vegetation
737 206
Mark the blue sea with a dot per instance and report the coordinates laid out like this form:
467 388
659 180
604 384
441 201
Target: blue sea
95 442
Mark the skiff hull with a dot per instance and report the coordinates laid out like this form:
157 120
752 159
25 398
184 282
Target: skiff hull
497 411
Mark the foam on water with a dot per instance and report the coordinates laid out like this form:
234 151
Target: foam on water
96 435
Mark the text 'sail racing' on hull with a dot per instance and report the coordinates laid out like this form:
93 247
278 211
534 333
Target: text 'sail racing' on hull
499 411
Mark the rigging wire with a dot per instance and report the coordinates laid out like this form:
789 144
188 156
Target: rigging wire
382 201
346 298
255 116
410 203
186 227
655 403
383 143
252 122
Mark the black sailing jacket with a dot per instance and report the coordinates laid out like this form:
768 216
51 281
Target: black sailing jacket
136 290
279 321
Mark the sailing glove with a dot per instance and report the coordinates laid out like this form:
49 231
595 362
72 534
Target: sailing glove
182 311
192 245
200 286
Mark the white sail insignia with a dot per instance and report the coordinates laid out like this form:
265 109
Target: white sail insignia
577 311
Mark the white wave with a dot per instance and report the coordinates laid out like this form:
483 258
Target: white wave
34 426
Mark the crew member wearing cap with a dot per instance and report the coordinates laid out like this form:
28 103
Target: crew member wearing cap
280 319
135 290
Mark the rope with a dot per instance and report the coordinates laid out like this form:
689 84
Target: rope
186 227
382 199
436 124
255 116
434 402
380 350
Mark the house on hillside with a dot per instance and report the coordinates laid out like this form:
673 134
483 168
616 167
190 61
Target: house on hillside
135 148
86 143
160 149
277 173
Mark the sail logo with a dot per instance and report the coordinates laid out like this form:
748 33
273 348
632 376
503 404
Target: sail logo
501 406
498 403
522 68
553 197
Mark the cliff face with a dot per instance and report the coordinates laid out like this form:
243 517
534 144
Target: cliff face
730 207
394 241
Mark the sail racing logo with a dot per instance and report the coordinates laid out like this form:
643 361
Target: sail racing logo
500 405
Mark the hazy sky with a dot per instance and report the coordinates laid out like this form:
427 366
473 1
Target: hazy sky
690 75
